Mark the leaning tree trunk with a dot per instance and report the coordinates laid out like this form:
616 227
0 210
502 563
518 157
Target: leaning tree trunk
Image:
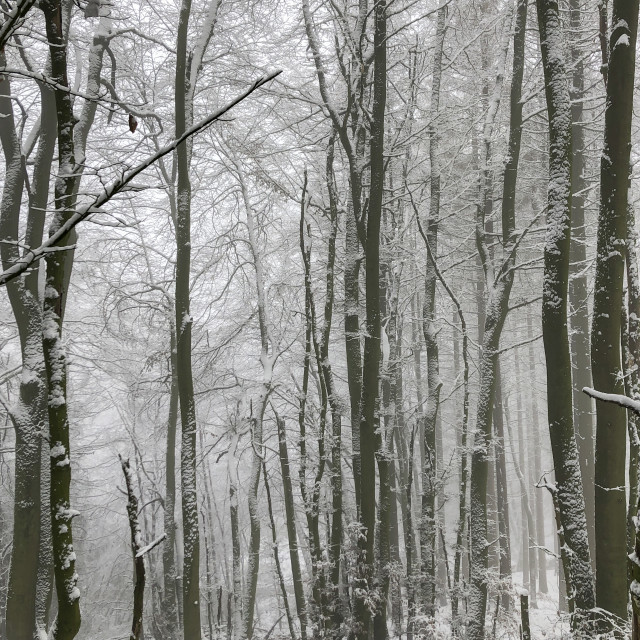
577 565
610 511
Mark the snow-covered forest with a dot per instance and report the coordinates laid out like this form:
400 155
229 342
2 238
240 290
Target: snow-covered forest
320 320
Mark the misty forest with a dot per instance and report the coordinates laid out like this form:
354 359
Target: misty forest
319 320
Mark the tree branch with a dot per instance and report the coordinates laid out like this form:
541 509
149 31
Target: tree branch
623 401
33 255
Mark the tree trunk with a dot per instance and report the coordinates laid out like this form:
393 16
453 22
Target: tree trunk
578 286
67 622
169 604
434 384
502 495
496 312
370 440
298 584
537 465
554 310
184 323
610 511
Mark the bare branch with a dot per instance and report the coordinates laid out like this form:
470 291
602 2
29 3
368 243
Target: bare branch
18 12
33 255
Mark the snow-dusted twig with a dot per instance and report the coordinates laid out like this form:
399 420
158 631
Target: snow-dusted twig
82 213
150 546
18 12
623 401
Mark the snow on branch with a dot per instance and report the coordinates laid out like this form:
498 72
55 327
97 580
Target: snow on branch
623 401
82 213
150 546
18 12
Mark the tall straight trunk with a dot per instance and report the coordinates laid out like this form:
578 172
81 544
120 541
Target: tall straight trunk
35 230
371 445
537 463
267 361
610 512
502 494
238 599
499 282
354 148
184 323
67 622
29 425
630 383
569 496
523 475
578 286
429 470
324 368
464 476
276 556
294 556
170 593
631 373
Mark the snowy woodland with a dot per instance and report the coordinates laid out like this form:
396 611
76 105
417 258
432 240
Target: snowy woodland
320 320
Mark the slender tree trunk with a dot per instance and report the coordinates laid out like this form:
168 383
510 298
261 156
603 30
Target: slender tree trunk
502 495
429 470
496 312
29 425
169 604
67 622
370 441
537 464
298 584
578 286
238 600
610 511
184 323
631 359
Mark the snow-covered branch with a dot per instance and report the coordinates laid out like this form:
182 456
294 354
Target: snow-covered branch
623 401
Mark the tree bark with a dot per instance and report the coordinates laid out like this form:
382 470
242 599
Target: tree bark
370 437
184 323
554 311
578 286
610 511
